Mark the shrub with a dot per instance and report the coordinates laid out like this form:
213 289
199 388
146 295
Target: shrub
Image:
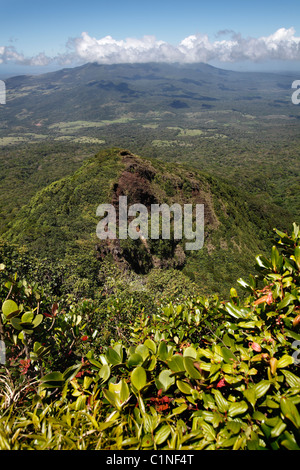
202 374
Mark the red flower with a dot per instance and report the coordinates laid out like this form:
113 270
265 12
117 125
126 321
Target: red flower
84 338
24 366
221 383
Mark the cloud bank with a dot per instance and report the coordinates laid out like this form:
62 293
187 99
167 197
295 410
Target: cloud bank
282 45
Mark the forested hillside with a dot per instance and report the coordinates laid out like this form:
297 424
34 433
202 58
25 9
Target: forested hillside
58 225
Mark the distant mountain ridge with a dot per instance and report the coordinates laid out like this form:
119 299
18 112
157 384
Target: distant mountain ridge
98 92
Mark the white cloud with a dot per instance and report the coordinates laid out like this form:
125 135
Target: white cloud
108 50
281 45
8 54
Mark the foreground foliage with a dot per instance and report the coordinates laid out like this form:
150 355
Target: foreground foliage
198 373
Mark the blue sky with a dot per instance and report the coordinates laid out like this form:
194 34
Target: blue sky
43 32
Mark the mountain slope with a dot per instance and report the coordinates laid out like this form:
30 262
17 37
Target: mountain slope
60 221
95 91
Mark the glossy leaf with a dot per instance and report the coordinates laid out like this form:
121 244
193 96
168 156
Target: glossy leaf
292 379
113 357
162 434
237 312
138 378
176 363
104 373
221 402
261 388
165 380
290 411
191 369
150 345
134 360
237 408
284 361
250 395
184 387
10 309
163 351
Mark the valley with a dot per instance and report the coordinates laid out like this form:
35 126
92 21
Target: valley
241 127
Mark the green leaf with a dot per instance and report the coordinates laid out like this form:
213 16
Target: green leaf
292 379
37 346
27 317
184 387
286 301
292 334
37 320
289 442
104 373
234 426
263 262
296 230
80 403
135 360
191 370
296 256
228 356
53 377
179 409
221 402
111 397
244 284
16 323
208 431
163 351
162 434
142 350
237 408
261 388
250 395
285 361
71 372
95 363
276 259
147 441
138 378
131 441
117 394
52 380
10 309
150 363
237 312
124 392
191 352
176 363
257 415
278 428
233 293
290 411
113 357
165 379
150 345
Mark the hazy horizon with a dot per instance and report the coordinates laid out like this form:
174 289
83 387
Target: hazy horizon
37 37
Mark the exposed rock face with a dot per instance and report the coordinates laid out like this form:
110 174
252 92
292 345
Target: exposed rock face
145 184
